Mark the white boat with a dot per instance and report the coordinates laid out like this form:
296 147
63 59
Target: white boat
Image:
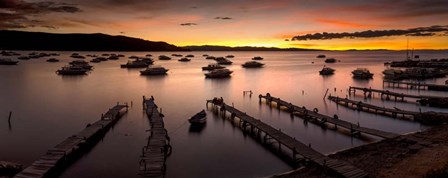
154 70
252 64
198 118
362 73
326 71
219 73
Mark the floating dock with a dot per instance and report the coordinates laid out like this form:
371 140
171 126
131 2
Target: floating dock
414 85
385 94
258 128
321 119
157 149
57 158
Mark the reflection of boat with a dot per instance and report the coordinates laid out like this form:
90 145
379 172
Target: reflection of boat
330 60
362 73
198 118
8 62
219 73
326 71
212 67
52 60
72 70
252 64
321 56
257 58
196 128
163 57
184 59
154 70
135 64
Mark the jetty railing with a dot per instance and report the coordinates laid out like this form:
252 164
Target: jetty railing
57 158
414 85
260 129
385 94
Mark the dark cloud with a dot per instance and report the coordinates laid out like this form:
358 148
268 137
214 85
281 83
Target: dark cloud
188 24
420 31
223 18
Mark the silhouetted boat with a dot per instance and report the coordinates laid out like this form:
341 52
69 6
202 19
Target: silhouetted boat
52 60
81 63
113 57
135 64
190 55
326 71
213 67
148 55
205 55
133 57
102 58
252 64
198 118
8 62
219 73
321 56
176 55
147 60
163 57
72 70
257 58
95 60
23 58
223 61
184 59
230 56
77 56
210 57
394 74
154 70
362 73
330 60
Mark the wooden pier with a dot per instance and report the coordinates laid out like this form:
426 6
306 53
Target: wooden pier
157 149
315 117
58 157
415 85
385 94
259 129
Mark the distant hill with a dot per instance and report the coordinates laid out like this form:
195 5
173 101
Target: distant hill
243 48
19 40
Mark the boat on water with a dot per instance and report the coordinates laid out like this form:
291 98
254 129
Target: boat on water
205 55
148 55
52 60
219 73
257 58
113 57
81 63
135 64
177 55
210 57
77 56
163 57
330 60
321 56
326 71
190 55
394 74
223 61
154 70
102 58
252 64
184 59
213 67
23 58
72 70
198 118
230 56
8 62
362 73
95 60
424 73
147 60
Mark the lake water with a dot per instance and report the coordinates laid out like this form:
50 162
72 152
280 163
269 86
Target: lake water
47 108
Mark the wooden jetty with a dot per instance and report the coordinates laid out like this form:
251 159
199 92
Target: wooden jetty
259 129
321 119
385 94
157 149
58 157
414 85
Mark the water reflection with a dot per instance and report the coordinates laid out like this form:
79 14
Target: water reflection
196 128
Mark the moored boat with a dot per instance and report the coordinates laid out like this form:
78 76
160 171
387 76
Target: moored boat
362 73
163 57
330 60
190 55
135 64
81 63
257 58
223 61
213 67
230 56
154 70
23 58
184 59
219 73
95 60
326 71
72 70
8 62
395 74
252 64
321 56
52 60
198 118
210 57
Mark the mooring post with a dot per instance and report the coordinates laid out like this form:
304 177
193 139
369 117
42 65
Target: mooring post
326 94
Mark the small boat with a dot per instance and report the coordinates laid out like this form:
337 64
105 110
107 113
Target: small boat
113 57
230 56
257 58
81 63
252 64
330 60
135 64
77 56
210 57
72 70
52 60
213 67
147 60
154 70
133 57
223 61
190 55
95 60
198 118
326 71
102 58
394 74
205 55
219 73
148 55
120 55
105 55
176 55
362 73
184 59
321 56
23 58
8 62
163 57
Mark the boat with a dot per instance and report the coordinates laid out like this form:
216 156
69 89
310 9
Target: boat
23 58
147 60
330 60
133 57
8 62
120 55
77 56
190 55
135 64
219 73
257 58
102 58
198 118
72 70
184 59
395 74
154 70
321 56
81 63
252 64
113 57
210 57
205 55
326 71
105 55
362 73
223 61
176 55
212 67
163 57
52 60
230 56
148 55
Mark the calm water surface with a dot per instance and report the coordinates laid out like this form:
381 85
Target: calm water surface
48 108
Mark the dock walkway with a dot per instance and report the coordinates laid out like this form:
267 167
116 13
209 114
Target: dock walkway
157 149
258 128
415 85
385 94
73 147
322 119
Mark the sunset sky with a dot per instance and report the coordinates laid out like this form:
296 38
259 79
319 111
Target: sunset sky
275 23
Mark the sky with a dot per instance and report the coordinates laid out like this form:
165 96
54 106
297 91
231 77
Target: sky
316 24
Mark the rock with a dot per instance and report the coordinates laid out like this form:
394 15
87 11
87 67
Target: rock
9 169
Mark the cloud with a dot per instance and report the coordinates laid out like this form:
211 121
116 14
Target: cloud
223 18
188 24
420 31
